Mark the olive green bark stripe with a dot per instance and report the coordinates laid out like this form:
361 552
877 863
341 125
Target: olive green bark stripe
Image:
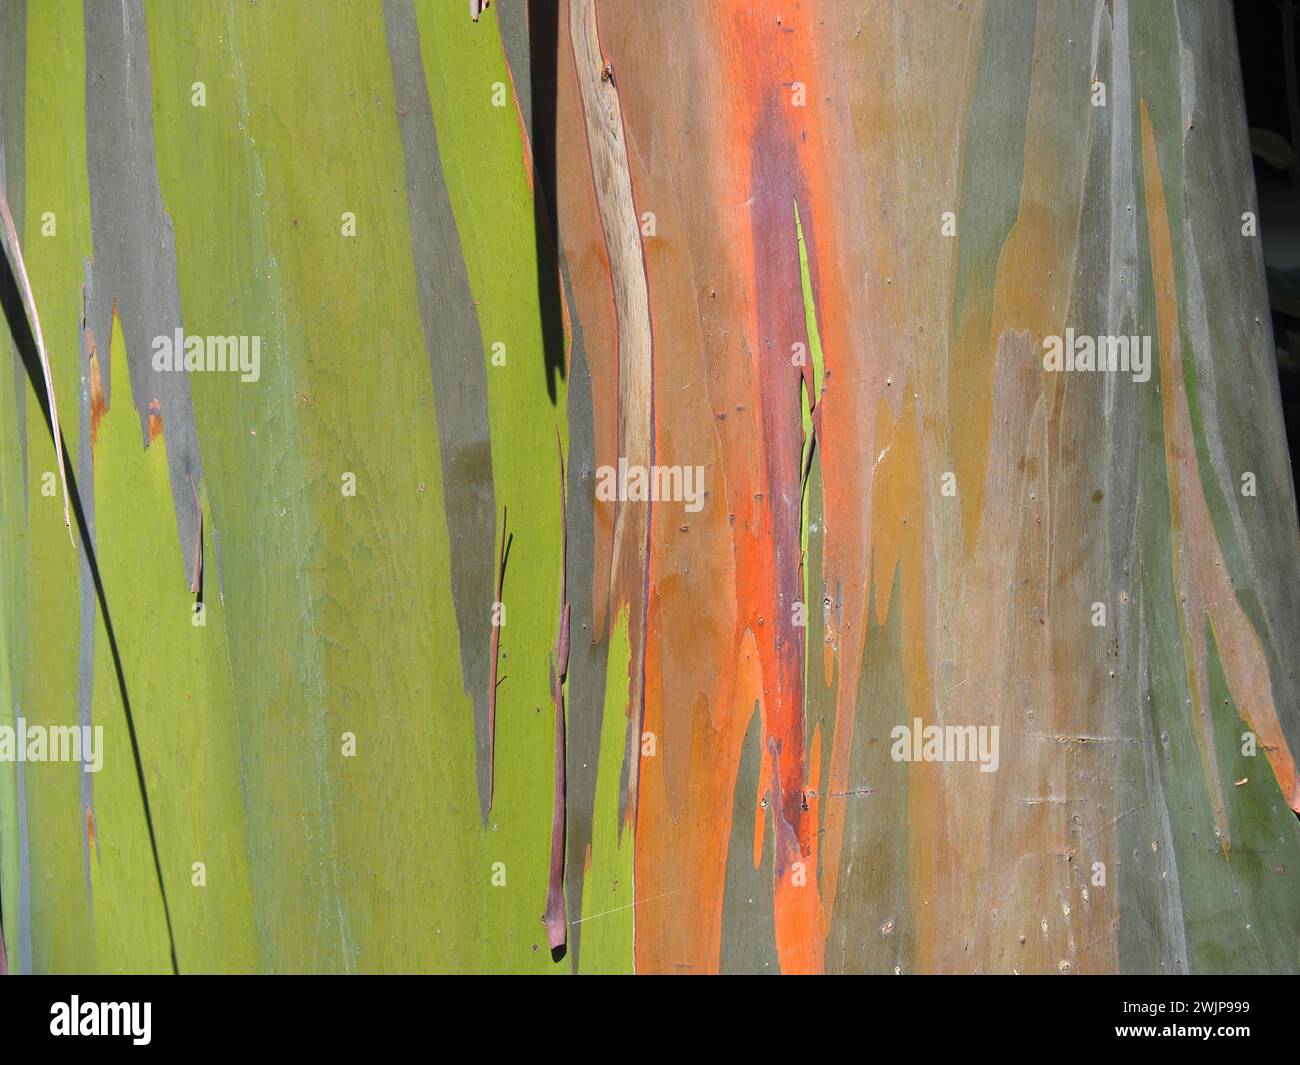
993 167
15 876
455 347
872 929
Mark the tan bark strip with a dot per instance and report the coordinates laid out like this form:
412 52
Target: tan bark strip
607 149
607 152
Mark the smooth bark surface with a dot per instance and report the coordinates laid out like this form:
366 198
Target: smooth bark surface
816 252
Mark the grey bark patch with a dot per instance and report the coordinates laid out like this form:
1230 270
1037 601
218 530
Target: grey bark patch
1151 938
512 21
748 909
587 659
1105 298
135 247
455 347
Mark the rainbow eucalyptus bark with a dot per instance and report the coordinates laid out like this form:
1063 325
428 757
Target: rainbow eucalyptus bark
925 543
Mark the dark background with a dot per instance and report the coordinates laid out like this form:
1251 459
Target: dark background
1265 29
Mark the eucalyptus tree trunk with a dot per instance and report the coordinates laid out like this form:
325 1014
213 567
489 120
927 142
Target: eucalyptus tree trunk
599 485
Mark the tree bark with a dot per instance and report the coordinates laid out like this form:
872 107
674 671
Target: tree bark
921 653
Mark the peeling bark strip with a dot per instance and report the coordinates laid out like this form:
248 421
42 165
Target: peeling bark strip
609 166
607 151
16 253
557 924
493 653
196 582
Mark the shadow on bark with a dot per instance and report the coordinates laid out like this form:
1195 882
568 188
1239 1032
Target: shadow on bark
543 39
